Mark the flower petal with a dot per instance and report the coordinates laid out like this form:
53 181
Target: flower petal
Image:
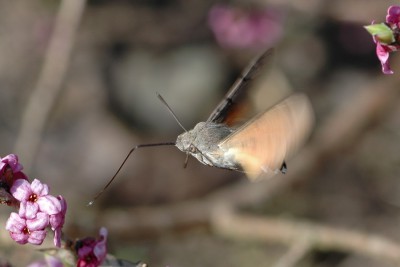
39 223
383 56
2 165
39 188
12 161
53 261
22 209
37 237
21 189
100 250
393 14
57 220
15 223
63 203
57 237
85 250
28 209
49 204
20 238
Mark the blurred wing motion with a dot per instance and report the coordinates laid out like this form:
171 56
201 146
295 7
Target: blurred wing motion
264 143
229 105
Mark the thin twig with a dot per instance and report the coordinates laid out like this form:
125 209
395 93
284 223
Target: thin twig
49 84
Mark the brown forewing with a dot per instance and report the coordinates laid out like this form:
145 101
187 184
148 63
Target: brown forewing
231 107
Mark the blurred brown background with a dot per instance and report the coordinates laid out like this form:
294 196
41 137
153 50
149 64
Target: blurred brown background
125 51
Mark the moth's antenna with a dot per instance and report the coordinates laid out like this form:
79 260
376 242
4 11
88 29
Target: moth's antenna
170 110
177 120
123 163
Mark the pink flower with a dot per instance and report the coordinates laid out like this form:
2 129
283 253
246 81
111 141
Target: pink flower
239 28
57 221
393 15
34 198
10 170
11 161
386 37
382 51
27 231
92 252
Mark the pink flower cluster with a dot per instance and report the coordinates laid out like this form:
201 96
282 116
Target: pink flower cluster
37 209
92 252
387 37
88 252
10 170
239 28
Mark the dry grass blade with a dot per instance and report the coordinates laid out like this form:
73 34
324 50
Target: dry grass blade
49 84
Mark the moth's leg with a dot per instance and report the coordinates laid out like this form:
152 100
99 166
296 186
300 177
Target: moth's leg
283 168
186 161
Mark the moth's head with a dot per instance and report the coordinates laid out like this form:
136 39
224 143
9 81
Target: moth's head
184 141
189 141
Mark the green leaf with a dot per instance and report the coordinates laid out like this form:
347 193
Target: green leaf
382 32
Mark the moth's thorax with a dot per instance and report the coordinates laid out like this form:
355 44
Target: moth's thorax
205 136
202 143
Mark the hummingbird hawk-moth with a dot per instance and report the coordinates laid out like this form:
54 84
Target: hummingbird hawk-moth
259 147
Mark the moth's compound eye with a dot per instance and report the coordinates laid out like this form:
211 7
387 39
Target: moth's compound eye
192 149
